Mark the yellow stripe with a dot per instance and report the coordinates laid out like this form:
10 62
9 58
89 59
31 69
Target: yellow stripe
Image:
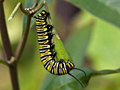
46 42
49 65
44 45
47 52
38 22
44 26
61 69
43 12
51 62
55 71
41 54
48 68
61 65
43 61
42 36
48 58
68 65
64 68
72 64
61 72
41 28
39 14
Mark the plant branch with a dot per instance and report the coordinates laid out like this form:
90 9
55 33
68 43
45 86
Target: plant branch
14 76
35 4
1 1
3 62
22 43
39 7
49 17
19 5
4 34
8 50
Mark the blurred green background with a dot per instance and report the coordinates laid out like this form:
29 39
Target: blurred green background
101 50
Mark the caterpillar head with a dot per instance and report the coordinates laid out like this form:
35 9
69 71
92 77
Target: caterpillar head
44 14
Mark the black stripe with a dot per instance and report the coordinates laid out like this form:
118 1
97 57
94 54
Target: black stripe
46 64
63 67
45 56
58 69
52 69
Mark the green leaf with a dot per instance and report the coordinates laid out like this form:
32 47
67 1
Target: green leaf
108 10
104 48
77 49
28 4
68 83
59 47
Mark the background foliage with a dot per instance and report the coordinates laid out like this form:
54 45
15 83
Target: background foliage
92 41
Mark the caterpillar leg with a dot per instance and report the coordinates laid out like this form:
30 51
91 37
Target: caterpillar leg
50 26
52 45
54 54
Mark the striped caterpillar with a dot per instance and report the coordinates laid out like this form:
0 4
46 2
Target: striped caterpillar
44 34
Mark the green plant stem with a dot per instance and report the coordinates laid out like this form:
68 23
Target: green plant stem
7 47
22 43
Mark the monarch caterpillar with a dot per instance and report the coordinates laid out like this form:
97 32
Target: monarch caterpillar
44 33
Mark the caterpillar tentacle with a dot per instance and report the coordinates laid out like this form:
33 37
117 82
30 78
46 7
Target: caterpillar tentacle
75 78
